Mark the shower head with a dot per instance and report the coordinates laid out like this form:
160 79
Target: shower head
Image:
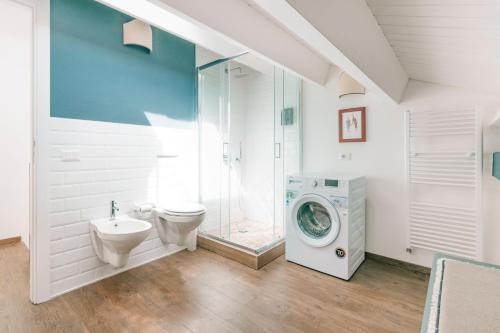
240 73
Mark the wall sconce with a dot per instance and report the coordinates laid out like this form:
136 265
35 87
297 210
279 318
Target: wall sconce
349 86
138 33
496 120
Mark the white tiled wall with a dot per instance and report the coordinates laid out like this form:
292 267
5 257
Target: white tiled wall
116 162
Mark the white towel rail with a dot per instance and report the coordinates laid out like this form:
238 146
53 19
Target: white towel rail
444 156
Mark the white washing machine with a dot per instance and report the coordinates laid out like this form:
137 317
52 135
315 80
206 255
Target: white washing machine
326 222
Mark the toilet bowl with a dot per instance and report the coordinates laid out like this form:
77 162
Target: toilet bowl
177 223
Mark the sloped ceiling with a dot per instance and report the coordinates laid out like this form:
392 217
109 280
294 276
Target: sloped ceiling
450 42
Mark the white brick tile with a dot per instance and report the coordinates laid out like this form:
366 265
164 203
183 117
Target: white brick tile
93 188
131 163
86 202
63 245
93 151
103 270
65 191
138 196
56 178
56 205
123 174
83 164
84 240
56 233
78 177
102 176
76 138
95 212
150 152
64 218
89 264
76 229
64 272
129 140
126 185
69 257
55 151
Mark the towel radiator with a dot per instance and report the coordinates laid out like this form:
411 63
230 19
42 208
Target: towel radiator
444 158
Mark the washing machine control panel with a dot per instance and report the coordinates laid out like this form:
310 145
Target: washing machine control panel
297 182
329 187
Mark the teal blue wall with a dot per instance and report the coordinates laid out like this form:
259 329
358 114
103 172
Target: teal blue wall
95 77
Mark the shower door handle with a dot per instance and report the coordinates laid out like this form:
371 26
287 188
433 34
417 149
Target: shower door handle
225 151
277 150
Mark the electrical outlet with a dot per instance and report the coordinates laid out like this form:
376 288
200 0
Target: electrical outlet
345 156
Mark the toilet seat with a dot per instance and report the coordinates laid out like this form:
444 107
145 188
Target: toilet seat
183 209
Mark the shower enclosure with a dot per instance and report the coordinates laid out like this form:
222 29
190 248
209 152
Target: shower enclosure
250 139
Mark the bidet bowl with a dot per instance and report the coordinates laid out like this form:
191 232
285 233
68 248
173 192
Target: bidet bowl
114 239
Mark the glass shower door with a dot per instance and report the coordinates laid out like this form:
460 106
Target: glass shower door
213 106
287 138
249 124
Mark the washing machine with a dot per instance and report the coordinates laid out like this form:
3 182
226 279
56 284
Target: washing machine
325 223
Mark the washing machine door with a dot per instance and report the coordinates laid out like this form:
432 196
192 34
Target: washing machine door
315 220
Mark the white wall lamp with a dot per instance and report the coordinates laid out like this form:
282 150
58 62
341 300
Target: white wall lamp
495 122
496 119
348 86
138 33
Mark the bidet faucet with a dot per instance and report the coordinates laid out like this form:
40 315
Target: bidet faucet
114 209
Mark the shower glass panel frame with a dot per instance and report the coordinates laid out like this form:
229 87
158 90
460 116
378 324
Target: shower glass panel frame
223 154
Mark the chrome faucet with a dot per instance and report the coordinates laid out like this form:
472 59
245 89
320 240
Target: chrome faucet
114 209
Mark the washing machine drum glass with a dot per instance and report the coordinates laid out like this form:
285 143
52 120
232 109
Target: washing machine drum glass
314 220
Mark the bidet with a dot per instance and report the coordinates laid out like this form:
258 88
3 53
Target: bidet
113 239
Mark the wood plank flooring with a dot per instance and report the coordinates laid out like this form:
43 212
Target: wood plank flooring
12 240
204 292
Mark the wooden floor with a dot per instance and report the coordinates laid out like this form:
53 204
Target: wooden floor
204 292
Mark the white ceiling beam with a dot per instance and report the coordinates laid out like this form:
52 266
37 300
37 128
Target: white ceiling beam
347 34
247 26
228 27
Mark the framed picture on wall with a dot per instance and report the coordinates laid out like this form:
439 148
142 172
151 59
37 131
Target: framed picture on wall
352 125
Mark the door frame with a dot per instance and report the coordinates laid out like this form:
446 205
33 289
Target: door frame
40 226
39 237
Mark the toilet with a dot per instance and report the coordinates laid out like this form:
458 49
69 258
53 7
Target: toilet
176 223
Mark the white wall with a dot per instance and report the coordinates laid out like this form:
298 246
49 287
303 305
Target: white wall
117 162
238 147
382 158
16 41
258 148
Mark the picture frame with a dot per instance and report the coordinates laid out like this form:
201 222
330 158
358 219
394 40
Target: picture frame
352 125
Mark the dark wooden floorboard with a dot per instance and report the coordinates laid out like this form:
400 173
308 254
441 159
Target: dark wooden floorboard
204 292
